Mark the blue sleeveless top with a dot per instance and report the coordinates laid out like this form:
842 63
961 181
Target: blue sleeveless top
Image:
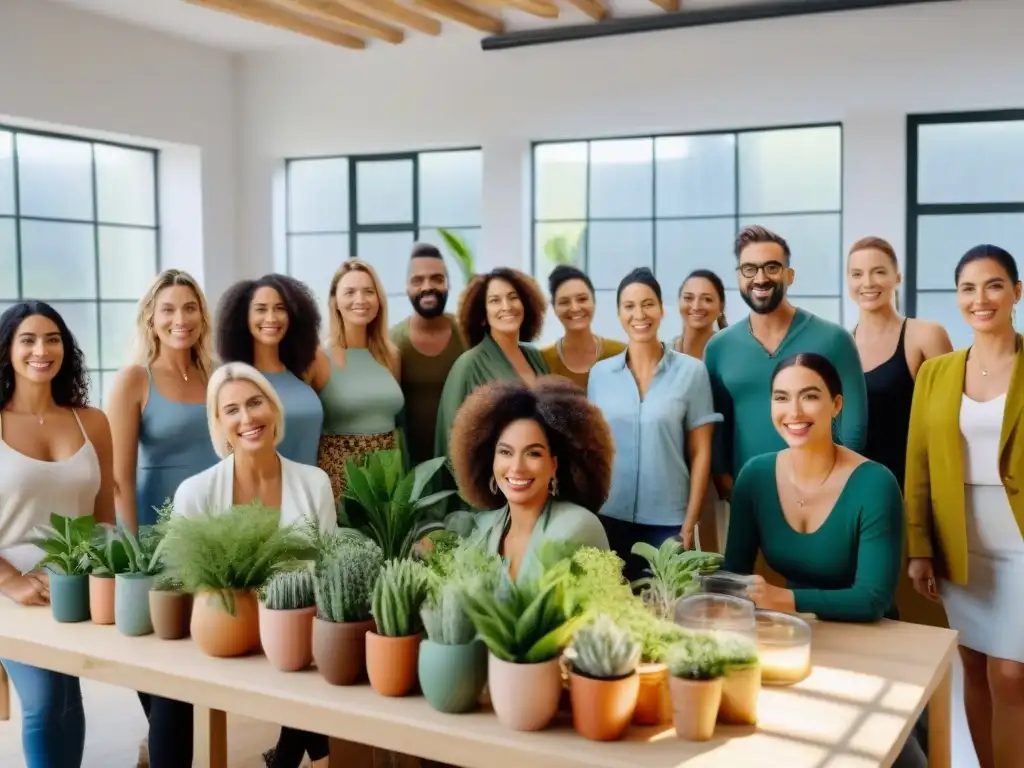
303 417
174 444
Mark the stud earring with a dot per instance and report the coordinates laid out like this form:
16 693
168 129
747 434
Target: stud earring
554 486
493 485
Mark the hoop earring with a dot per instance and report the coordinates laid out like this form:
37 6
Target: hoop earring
553 487
493 485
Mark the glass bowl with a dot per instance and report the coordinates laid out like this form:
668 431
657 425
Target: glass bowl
784 647
716 612
725 583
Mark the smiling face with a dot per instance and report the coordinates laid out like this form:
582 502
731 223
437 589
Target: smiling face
574 305
872 279
986 296
523 464
357 299
246 416
699 304
37 350
268 317
427 286
802 407
504 306
177 317
640 312
763 276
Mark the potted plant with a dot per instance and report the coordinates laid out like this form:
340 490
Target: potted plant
453 661
132 585
65 544
603 682
286 619
741 685
697 666
222 559
392 649
343 587
673 573
107 558
170 608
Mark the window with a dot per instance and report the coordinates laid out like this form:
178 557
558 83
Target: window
960 194
79 230
376 207
675 204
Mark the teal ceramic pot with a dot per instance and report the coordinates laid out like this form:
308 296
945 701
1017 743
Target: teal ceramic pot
69 597
131 604
452 677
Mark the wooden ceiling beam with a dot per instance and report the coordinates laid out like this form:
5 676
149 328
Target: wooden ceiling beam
546 9
394 12
263 13
669 6
595 9
335 13
463 14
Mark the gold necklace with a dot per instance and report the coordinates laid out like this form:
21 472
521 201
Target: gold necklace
802 502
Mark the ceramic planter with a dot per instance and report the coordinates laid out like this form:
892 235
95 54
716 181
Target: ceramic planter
740 690
170 612
339 650
131 604
101 599
653 701
287 637
220 633
602 709
524 696
452 677
69 597
695 707
391 663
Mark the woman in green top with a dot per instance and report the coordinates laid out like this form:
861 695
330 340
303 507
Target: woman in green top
573 355
825 518
498 311
541 458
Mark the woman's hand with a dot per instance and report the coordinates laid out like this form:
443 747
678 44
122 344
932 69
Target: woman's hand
686 533
768 597
922 574
29 589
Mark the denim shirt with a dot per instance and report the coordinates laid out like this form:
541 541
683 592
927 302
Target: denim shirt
650 477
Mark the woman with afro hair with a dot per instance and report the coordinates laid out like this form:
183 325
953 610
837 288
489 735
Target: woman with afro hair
540 457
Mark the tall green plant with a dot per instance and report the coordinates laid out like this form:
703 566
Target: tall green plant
65 544
398 596
141 550
673 573
460 251
106 553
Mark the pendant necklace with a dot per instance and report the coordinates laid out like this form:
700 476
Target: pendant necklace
802 502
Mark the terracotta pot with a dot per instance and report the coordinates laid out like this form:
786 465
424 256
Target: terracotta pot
740 689
524 696
392 663
339 650
653 701
287 637
101 599
695 707
221 633
602 709
171 612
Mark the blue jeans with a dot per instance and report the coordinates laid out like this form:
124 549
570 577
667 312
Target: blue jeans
622 535
52 718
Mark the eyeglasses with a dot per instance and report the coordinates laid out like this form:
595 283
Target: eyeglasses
770 268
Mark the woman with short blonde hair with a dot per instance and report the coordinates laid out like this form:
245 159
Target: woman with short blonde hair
239 372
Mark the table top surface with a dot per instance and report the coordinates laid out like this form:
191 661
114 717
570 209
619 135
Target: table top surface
869 684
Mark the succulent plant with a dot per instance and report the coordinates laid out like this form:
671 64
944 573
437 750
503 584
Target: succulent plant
343 583
290 590
604 650
398 596
698 656
444 616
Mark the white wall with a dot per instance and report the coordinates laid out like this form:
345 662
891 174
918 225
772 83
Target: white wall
865 69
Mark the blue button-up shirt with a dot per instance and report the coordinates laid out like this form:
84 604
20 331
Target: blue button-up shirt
650 478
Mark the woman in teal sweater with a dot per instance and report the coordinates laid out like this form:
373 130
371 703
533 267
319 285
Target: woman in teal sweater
825 518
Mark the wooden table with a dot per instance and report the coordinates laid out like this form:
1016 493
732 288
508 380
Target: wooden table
869 685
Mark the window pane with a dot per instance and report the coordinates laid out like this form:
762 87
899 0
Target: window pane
314 259
6 174
125 186
736 309
683 246
318 195
103 381
384 191
456 280
616 247
695 175
54 177
58 260
606 316
567 237
790 170
80 317
451 185
8 260
814 241
621 179
968 162
942 240
560 181
828 309
117 329
388 252
941 308
127 261
399 307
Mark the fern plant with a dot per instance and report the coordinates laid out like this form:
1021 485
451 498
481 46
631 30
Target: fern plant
289 591
398 596
343 583
673 573
604 650
460 251
445 618
65 544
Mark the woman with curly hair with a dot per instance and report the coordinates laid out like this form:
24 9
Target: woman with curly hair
497 313
55 456
541 458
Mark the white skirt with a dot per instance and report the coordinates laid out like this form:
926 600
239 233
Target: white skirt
987 611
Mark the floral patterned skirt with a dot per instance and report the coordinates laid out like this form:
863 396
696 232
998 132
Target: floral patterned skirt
335 450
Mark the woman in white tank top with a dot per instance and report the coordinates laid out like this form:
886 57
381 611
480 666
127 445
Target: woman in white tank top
55 454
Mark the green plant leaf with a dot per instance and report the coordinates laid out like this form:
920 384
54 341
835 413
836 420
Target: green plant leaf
424 473
460 251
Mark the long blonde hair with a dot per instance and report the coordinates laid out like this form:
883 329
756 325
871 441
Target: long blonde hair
147 343
377 339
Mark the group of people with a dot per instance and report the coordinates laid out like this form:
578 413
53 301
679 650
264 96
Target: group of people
834 451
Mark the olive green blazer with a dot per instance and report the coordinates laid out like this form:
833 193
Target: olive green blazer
934 488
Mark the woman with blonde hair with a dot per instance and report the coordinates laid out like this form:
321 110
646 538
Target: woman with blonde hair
362 397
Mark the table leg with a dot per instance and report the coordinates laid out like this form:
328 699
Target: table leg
5 695
211 738
940 745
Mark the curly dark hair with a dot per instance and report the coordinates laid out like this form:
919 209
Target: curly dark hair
577 434
70 386
473 305
301 340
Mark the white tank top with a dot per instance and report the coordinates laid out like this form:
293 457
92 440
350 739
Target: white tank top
32 489
980 427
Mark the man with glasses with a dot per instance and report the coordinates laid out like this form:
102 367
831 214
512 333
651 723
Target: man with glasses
741 358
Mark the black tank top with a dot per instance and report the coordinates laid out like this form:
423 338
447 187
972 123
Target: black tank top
890 394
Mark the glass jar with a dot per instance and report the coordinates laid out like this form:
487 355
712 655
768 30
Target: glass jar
783 647
716 612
